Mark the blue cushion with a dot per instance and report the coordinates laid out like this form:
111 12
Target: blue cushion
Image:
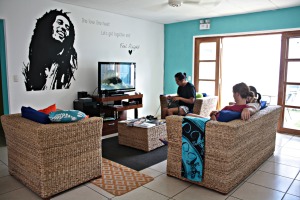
228 115
34 115
263 104
66 116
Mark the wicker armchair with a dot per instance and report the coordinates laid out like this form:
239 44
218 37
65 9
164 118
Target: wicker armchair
51 158
203 106
233 150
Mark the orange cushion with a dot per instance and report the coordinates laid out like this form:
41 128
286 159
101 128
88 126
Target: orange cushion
49 109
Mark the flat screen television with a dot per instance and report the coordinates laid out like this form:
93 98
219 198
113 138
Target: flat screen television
115 78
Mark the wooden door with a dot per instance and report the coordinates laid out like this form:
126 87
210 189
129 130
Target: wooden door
289 83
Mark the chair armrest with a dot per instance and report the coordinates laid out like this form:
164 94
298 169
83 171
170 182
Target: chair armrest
203 106
164 102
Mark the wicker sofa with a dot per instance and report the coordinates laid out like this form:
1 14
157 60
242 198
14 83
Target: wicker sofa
51 158
203 106
233 150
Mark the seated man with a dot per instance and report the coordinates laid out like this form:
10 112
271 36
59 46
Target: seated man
186 95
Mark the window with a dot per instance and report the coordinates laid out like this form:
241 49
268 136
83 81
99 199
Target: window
206 70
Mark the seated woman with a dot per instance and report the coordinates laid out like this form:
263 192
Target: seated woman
254 99
186 94
240 94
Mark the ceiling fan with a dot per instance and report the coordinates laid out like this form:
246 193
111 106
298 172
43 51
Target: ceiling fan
174 3
178 3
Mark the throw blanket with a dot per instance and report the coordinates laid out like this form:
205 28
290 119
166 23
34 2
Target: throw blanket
193 134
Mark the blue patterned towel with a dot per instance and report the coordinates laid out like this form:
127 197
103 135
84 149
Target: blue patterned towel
193 134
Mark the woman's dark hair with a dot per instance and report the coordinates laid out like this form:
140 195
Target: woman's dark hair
256 94
44 50
242 89
180 76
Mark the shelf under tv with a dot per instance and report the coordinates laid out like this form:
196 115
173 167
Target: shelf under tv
117 109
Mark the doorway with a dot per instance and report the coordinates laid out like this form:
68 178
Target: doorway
270 62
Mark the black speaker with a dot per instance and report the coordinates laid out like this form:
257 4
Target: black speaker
82 94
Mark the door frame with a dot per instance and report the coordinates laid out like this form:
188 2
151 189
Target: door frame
217 61
282 83
4 94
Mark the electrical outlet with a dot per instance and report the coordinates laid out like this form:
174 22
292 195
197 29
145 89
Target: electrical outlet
16 78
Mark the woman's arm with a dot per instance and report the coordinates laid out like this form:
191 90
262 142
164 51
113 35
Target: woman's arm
247 112
252 109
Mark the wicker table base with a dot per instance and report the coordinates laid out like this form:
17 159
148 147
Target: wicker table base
145 139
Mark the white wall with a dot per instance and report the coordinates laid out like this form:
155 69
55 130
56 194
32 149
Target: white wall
91 46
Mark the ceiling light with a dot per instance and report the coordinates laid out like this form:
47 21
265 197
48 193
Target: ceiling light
175 3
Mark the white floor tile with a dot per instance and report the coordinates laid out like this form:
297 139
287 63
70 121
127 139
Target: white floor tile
295 188
277 149
293 143
291 197
195 192
280 169
166 185
20 194
274 175
287 160
296 138
151 172
81 193
3 170
141 193
282 139
99 190
8 184
272 181
161 167
250 191
290 152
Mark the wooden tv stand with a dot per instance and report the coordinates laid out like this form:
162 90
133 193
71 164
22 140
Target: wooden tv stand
116 111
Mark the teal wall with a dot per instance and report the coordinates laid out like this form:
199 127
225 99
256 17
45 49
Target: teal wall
178 50
3 69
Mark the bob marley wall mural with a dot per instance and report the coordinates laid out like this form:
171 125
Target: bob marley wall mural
52 57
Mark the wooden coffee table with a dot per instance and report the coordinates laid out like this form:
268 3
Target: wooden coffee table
145 139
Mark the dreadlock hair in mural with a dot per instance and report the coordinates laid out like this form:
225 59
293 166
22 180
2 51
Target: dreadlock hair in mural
52 57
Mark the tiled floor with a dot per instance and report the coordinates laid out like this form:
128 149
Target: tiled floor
277 178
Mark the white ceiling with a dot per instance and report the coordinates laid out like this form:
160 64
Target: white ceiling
159 11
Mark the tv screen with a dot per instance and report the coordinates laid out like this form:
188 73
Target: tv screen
116 77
